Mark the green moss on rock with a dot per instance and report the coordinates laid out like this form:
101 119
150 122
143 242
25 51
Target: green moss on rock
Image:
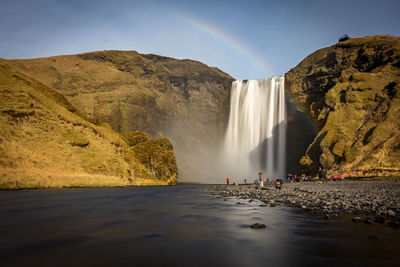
351 90
136 137
76 138
156 155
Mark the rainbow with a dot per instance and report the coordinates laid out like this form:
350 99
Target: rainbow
228 40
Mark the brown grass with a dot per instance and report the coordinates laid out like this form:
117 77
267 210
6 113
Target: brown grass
183 100
46 142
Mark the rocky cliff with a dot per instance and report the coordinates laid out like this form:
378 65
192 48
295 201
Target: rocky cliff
183 100
352 92
46 142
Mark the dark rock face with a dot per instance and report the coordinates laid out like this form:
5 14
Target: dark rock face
177 94
183 100
352 92
300 133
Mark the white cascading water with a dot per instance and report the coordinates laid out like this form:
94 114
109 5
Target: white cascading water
256 136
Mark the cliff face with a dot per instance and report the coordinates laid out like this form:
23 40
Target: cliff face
46 142
183 100
352 92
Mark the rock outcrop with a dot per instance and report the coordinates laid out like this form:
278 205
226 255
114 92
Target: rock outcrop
352 92
183 100
156 155
46 142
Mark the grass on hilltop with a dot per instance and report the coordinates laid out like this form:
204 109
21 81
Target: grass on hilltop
45 142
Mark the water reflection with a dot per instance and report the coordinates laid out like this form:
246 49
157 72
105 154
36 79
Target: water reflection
180 226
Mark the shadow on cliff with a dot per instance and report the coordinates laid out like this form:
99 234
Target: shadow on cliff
300 133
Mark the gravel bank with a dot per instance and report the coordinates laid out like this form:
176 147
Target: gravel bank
368 201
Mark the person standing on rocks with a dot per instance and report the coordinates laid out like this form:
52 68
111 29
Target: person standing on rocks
227 180
320 173
278 184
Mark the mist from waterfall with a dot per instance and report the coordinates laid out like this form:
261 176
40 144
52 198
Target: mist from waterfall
256 135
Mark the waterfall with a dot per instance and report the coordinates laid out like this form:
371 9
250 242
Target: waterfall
256 135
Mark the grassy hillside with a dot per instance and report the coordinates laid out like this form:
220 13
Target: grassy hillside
352 91
46 142
183 100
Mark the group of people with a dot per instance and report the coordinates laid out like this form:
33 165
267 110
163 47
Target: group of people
291 178
322 176
277 182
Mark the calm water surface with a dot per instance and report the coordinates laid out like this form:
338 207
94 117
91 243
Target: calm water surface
177 226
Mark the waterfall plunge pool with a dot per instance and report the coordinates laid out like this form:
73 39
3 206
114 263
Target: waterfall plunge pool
176 226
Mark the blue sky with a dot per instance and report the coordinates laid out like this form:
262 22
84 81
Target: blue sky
247 39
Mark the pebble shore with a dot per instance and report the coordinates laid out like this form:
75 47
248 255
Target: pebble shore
368 201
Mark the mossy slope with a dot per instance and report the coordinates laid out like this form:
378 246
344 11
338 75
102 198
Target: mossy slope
183 100
46 142
352 91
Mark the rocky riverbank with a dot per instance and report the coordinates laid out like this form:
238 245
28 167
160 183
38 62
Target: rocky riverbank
368 201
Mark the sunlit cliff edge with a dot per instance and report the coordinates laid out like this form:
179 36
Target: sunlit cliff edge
352 92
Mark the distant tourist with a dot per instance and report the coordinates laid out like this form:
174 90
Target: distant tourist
320 173
227 180
278 184
290 178
245 181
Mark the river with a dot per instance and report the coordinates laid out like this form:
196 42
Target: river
182 225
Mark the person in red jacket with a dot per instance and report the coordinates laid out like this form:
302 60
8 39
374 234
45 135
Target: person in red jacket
227 180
